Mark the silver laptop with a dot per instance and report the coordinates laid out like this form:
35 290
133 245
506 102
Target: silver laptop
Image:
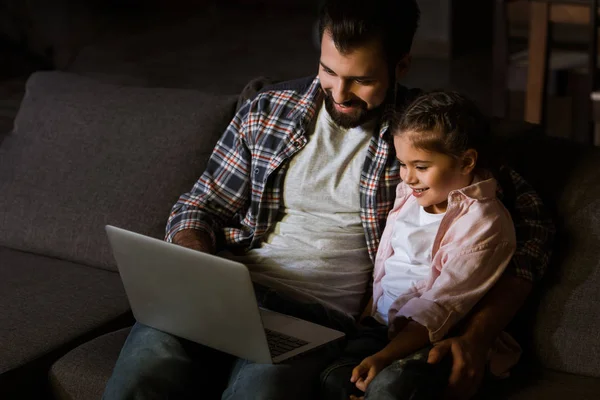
208 300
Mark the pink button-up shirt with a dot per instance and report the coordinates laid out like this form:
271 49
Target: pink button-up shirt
473 245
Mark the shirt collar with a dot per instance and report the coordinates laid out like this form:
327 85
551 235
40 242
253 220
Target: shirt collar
308 104
482 188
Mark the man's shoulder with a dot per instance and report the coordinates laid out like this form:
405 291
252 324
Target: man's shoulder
300 85
267 88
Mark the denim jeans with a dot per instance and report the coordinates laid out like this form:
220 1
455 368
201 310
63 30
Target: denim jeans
156 365
409 378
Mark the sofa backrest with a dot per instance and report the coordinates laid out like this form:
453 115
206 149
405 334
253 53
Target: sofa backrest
566 328
84 154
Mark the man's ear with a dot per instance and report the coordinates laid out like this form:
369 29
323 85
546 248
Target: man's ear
469 161
402 67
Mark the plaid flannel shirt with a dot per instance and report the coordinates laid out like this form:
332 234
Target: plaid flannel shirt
239 197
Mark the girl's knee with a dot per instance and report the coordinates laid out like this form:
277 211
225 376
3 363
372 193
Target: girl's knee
385 384
335 381
413 379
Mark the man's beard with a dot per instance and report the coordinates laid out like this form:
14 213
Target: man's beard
359 116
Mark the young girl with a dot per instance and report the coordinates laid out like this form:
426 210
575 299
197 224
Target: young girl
446 242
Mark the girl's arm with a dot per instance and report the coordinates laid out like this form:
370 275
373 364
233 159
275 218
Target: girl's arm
465 278
412 337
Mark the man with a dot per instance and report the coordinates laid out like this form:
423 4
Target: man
298 188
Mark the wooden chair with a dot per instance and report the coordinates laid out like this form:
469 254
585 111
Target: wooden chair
544 13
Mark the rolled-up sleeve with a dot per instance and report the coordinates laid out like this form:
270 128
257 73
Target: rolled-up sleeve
463 280
221 191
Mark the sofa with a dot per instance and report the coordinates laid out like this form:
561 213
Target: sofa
84 153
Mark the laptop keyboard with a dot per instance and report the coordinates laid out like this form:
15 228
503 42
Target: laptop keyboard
280 343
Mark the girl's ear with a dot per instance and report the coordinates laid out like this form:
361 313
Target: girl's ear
469 161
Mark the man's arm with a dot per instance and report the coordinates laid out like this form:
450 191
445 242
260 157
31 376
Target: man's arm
495 311
195 239
470 348
219 194
534 228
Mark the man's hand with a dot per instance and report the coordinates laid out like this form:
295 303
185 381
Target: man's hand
364 372
468 365
195 240
470 349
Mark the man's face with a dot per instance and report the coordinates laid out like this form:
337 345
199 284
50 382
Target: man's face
356 83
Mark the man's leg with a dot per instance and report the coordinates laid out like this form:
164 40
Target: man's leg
411 378
156 365
298 378
314 312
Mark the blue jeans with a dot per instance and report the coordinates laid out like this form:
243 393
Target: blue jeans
409 378
156 365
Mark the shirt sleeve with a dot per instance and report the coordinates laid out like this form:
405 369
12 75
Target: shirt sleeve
222 190
534 228
464 278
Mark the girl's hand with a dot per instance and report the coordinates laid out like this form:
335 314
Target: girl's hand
364 372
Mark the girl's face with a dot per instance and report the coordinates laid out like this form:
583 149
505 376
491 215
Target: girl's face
432 176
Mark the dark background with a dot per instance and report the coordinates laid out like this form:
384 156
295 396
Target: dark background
218 46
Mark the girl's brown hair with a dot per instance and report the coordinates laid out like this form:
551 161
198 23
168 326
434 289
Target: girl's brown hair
445 122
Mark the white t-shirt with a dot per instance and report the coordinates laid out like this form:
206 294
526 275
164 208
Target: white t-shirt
412 240
317 250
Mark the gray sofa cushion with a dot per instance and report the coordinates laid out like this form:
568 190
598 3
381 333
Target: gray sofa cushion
548 385
566 330
83 372
47 303
85 154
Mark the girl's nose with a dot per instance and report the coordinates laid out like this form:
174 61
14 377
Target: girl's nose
410 177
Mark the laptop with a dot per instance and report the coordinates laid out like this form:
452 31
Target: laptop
207 299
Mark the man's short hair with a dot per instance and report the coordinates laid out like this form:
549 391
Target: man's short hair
353 23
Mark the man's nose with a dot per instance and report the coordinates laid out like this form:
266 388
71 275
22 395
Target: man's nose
341 91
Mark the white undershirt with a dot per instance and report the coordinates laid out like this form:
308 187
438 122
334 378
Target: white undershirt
317 250
412 242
